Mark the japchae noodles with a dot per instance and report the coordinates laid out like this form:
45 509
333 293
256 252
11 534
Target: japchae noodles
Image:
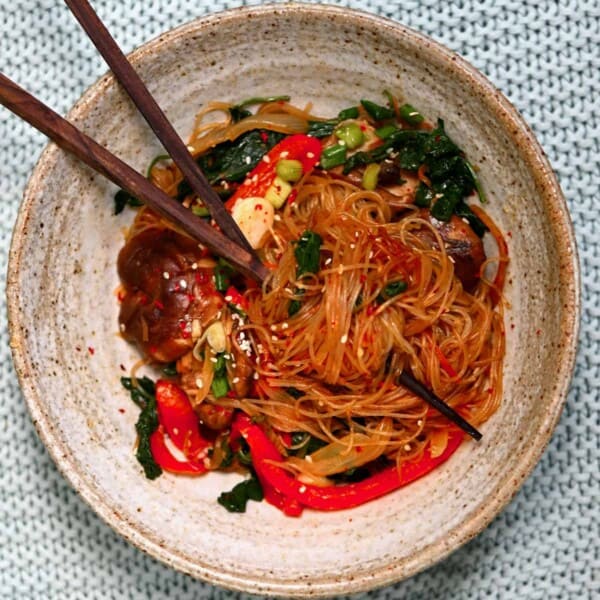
376 266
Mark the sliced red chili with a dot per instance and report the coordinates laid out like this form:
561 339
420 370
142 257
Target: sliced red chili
233 296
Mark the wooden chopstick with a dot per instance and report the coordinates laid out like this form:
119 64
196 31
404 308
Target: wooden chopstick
148 107
68 137
417 388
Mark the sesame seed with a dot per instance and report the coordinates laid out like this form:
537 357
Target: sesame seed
235 380
183 284
122 327
213 359
284 325
284 154
420 422
166 275
328 261
302 489
199 383
344 339
352 246
407 447
310 155
266 158
194 266
247 160
255 376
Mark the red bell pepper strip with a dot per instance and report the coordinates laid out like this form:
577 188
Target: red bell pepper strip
301 147
176 415
163 457
265 454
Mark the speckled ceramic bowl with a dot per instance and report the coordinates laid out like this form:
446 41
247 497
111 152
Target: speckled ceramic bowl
63 313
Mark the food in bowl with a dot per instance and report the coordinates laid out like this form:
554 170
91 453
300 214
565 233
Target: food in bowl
372 227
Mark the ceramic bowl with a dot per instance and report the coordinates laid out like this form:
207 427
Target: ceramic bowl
63 311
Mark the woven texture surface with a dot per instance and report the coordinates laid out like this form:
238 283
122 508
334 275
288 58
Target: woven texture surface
544 55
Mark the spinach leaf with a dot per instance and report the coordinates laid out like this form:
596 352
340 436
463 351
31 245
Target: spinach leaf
220 386
223 273
232 161
144 396
295 305
237 499
308 253
322 129
240 110
376 111
424 196
390 290
170 370
308 257
305 444
462 210
123 199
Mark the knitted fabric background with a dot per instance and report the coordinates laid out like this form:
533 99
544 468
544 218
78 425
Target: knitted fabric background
545 56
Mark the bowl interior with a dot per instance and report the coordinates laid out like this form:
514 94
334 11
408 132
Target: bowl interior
63 309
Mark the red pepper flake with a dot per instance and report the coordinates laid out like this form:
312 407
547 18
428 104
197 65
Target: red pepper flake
258 207
292 197
176 288
231 394
143 299
201 277
264 137
190 297
91 350
159 304
185 334
490 390
363 278
538 332
153 349
78 348
121 410
182 324
359 449
122 367
121 295
370 310
363 127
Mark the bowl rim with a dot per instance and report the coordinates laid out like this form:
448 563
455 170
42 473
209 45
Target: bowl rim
505 489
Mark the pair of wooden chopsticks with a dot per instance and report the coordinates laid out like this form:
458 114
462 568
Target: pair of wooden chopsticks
231 244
